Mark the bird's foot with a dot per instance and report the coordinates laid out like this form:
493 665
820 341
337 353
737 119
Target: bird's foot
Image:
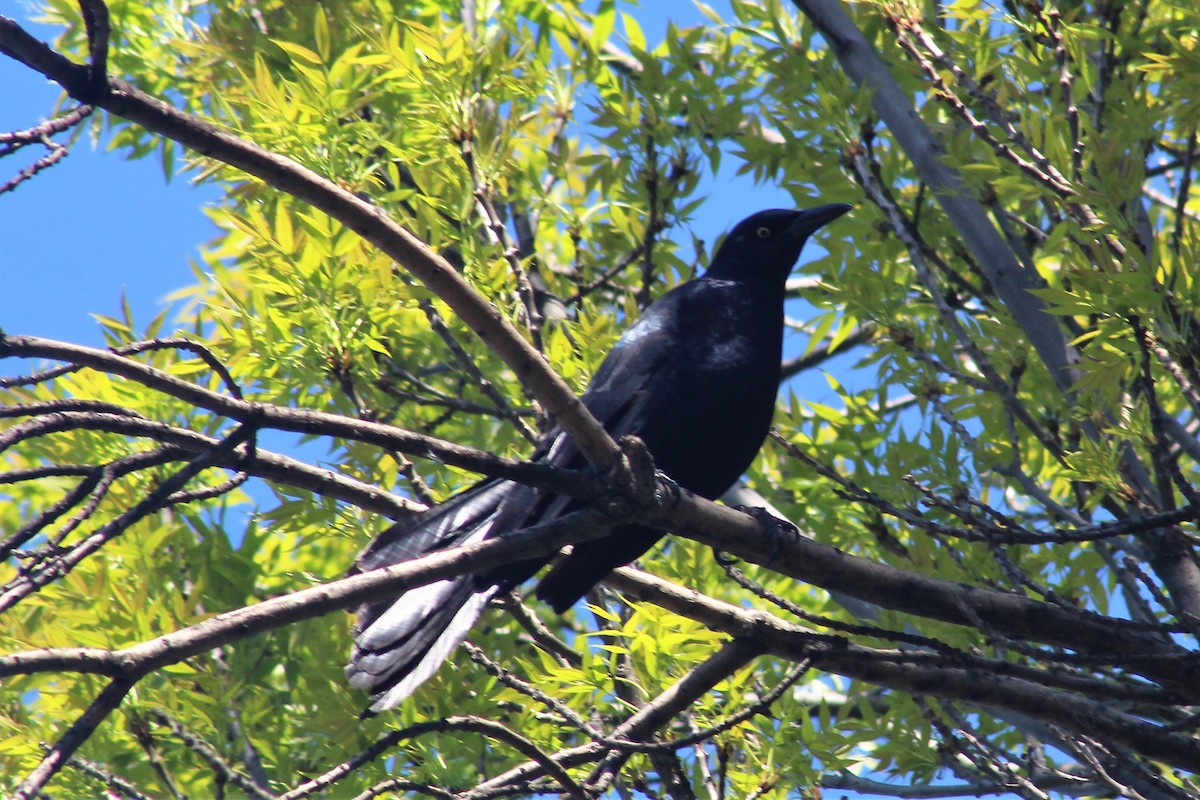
668 492
774 528
724 559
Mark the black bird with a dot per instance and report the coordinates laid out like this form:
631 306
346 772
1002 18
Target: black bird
695 377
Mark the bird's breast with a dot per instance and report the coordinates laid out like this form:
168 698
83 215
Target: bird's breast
706 428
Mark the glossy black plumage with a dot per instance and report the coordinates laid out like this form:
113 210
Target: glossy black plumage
695 377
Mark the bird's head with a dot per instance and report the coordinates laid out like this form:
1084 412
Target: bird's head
769 242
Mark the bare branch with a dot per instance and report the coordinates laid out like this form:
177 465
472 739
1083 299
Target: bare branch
642 724
79 732
209 754
263 415
1016 616
276 612
920 673
115 783
95 19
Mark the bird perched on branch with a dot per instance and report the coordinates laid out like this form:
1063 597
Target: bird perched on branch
695 378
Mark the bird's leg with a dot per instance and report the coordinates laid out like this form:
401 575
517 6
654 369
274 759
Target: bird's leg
640 478
774 528
723 558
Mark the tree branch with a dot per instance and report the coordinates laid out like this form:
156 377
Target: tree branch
265 415
1016 616
865 67
919 674
62 750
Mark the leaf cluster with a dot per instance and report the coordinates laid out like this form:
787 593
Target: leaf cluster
992 401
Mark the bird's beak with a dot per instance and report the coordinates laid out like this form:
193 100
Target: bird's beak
812 219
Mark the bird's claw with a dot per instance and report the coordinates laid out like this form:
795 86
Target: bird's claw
724 559
669 493
774 528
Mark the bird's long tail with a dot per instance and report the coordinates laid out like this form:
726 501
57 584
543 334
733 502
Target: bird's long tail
401 641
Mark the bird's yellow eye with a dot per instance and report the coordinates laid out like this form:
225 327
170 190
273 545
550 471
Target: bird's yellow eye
763 233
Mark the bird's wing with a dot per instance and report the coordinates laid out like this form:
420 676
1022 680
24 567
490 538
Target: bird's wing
400 641
616 395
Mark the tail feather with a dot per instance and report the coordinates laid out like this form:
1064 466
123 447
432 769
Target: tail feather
444 525
401 640
403 618
589 562
439 651
393 670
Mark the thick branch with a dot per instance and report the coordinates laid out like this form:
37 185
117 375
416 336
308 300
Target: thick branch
171 648
921 673
1011 615
865 67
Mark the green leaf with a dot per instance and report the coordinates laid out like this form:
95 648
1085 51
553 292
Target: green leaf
321 33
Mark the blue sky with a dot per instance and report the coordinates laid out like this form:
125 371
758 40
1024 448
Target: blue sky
79 235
